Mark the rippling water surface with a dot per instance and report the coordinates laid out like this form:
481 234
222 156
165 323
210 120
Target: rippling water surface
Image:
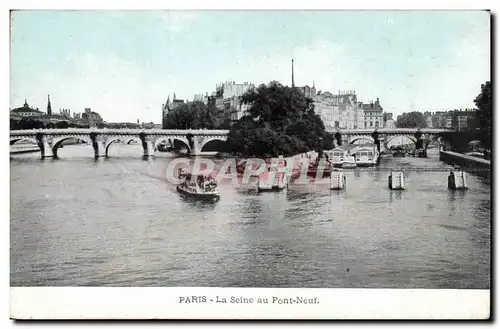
118 222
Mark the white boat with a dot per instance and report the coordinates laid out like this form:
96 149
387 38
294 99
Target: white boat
337 156
367 156
199 186
349 162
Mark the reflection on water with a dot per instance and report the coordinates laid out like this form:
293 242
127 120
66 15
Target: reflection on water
118 222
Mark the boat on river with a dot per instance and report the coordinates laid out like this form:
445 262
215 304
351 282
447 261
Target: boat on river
367 156
199 186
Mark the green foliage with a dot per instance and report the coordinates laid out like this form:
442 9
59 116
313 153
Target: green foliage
29 123
483 102
197 115
280 121
413 119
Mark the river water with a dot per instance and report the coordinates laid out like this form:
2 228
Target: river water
119 222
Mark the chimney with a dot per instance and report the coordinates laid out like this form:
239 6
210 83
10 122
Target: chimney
293 81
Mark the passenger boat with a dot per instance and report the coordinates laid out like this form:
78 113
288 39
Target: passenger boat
337 156
199 186
367 156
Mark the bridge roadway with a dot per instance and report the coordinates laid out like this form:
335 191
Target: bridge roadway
49 140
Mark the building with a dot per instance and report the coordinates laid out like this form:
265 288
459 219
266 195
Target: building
462 119
339 111
373 115
65 113
91 117
428 119
201 98
453 120
26 111
169 106
390 124
49 107
228 96
309 92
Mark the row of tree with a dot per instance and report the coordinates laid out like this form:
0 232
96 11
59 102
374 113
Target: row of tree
197 115
28 123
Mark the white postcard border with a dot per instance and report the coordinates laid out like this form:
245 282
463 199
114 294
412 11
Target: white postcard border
243 303
53 301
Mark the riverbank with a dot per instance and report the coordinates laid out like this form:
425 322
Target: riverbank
463 160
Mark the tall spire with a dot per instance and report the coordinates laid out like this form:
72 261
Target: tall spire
49 107
293 81
313 83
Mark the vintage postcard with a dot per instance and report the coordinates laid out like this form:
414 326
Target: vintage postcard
244 164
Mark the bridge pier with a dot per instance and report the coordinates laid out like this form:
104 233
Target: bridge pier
44 145
149 148
99 144
99 149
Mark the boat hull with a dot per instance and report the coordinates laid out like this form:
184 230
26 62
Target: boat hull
201 196
271 189
366 164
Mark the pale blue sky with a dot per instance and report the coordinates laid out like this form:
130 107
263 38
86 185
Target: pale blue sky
125 64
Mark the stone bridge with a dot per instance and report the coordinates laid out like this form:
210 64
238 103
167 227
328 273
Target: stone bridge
49 140
385 135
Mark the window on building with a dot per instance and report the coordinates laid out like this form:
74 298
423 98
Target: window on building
371 124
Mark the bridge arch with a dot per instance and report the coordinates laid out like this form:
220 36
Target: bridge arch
410 137
117 139
208 140
172 139
57 141
14 140
357 138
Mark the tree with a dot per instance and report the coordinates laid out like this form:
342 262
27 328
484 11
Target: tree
197 115
413 119
280 121
483 102
62 125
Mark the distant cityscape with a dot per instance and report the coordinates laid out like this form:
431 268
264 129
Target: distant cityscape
339 110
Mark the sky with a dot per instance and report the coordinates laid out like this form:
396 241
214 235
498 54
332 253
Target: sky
124 64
